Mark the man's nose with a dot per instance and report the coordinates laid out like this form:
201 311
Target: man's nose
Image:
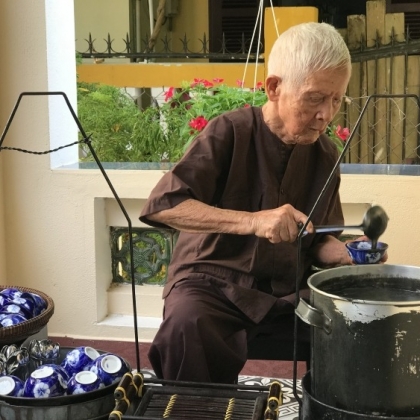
327 111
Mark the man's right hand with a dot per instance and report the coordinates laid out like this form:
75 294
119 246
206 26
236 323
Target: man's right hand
280 224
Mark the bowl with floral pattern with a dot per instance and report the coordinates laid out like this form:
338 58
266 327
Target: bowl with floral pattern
82 382
11 386
79 359
45 382
10 301
15 308
40 303
11 319
110 368
10 293
361 252
26 303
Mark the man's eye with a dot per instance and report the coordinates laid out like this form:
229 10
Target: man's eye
316 99
337 101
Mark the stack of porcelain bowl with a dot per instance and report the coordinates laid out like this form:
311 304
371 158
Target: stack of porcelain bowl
83 370
17 306
63 383
23 313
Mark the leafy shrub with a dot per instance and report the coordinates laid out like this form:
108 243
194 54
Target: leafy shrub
123 133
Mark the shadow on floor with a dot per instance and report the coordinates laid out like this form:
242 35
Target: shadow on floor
265 368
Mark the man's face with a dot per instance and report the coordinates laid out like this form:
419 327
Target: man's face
305 112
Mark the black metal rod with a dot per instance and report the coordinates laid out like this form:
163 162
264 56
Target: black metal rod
108 181
124 417
209 385
335 228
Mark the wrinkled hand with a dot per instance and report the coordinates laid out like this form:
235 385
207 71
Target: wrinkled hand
280 224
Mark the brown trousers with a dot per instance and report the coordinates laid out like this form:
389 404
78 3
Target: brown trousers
203 336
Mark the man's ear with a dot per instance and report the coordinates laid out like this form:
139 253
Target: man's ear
272 87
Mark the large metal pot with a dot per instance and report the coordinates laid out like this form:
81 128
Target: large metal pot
366 338
312 409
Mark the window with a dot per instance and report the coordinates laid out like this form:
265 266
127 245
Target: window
233 18
411 10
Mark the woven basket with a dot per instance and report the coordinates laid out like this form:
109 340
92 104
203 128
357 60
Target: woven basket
17 334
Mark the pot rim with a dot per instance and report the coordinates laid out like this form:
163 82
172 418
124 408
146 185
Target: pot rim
374 271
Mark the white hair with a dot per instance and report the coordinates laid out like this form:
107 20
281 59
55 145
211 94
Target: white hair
307 48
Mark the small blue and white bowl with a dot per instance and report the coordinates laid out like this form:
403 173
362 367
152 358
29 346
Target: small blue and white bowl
83 382
79 359
10 319
110 368
44 382
60 371
11 386
40 304
27 304
3 315
15 308
10 293
361 252
3 300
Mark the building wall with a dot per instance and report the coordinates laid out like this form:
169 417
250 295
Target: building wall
100 18
2 229
103 17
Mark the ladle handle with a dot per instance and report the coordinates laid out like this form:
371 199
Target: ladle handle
331 228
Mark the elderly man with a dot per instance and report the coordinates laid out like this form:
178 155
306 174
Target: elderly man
237 197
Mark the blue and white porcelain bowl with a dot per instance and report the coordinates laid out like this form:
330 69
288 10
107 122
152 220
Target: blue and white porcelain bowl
3 300
40 304
11 386
79 359
44 382
27 304
83 382
15 308
10 293
110 368
3 315
361 252
10 319
60 371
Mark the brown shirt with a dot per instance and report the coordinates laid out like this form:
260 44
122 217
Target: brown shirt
238 163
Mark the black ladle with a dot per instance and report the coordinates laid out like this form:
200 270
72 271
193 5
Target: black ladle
374 224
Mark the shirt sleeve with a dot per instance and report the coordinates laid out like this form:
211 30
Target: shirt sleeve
199 175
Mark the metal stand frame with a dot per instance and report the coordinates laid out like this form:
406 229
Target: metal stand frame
260 394
86 139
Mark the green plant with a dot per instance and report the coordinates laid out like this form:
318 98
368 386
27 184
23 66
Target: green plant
189 109
123 133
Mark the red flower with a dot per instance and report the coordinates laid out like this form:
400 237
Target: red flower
342 133
203 82
240 83
259 85
196 82
198 123
218 80
169 93
247 105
